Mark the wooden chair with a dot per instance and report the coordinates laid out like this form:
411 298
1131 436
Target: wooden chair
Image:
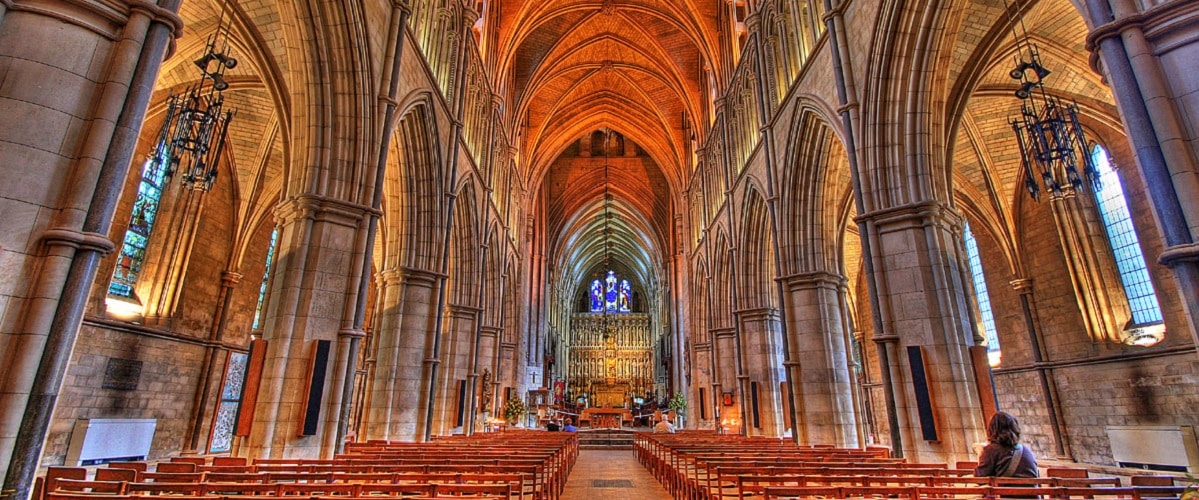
399 489
235 477
175 467
229 461
75 495
1152 481
137 466
171 477
774 492
1065 472
53 473
127 475
157 488
320 489
86 486
239 489
1024 492
473 490
189 460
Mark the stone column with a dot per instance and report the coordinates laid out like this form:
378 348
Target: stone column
1102 316
403 337
168 263
1148 56
455 364
763 365
824 384
208 371
1040 357
922 288
724 344
69 115
315 247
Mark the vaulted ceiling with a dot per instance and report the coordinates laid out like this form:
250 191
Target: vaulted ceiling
635 68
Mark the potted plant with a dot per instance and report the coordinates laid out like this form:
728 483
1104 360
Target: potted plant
678 404
514 409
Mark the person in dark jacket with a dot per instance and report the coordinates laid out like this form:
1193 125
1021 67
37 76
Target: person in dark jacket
1004 456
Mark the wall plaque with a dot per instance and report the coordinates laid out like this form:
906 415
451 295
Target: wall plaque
122 374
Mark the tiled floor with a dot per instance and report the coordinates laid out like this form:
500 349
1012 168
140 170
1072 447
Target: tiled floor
611 475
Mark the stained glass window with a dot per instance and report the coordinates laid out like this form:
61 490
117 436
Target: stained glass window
270 259
226 412
597 296
611 294
141 223
1127 248
982 297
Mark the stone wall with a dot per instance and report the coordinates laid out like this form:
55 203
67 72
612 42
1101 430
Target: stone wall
163 389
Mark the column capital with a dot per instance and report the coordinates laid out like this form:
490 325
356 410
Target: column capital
813 279
424 277
323 208
1179 254
913 214
1022 285
230 278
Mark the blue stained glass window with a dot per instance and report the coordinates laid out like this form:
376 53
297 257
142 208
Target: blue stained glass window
266 275
982 297
1117 221
610 291
611 294
141 224
597 296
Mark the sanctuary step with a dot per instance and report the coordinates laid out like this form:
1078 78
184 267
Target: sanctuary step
606 439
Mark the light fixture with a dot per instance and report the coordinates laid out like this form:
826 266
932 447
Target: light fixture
193 133
609 328
1052 144
1144 335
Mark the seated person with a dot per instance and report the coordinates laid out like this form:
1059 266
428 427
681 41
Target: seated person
664 426
570 425
552 426
1004 456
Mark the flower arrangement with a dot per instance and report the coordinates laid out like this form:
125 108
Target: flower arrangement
514 408
678 403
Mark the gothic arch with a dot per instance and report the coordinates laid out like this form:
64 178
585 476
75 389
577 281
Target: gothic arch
816 193
412 205
757 254
332 99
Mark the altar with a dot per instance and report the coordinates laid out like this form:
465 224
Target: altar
606 418
608 394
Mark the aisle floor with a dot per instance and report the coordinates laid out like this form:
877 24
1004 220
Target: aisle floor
611 475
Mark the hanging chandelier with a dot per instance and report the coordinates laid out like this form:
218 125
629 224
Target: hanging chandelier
1053 146
609 328
193 133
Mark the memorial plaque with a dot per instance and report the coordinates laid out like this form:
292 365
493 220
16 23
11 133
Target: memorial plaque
122 374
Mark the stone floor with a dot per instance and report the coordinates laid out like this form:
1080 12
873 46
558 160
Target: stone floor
611 475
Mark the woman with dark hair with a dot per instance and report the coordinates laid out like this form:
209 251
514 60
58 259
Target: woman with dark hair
1004 456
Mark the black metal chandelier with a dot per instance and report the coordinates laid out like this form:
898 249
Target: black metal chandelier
1052 144
193 132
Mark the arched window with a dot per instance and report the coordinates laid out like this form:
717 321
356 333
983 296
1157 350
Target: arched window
982 297
141 223
597 296
611 294
266 275
1117 222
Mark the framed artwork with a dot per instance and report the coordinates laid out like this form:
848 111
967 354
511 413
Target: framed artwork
726 398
